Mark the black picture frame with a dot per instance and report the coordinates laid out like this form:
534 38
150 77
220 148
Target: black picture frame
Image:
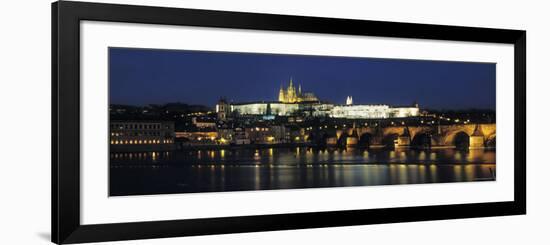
66 17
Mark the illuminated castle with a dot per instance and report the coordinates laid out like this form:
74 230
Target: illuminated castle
293 101
290 95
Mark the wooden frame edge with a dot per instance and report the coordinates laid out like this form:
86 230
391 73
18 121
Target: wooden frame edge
66 227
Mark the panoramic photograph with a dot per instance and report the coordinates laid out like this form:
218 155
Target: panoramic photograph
183 121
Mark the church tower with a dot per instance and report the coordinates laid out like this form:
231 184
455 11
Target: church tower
349 100
282 94
222 109
291 93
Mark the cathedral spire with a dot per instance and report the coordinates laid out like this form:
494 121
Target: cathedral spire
290 86
349 100
282 94
299 88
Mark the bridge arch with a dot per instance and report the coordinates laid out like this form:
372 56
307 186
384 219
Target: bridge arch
389 140
491 141
422 140
365 139
461 140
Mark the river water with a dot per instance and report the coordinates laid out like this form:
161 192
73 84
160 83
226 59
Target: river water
239 169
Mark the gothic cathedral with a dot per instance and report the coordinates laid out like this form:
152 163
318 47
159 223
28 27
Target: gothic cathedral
290 95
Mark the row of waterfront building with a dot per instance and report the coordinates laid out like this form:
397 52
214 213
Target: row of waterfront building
141 136
160 136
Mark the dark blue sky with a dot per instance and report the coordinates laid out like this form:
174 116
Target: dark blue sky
152 76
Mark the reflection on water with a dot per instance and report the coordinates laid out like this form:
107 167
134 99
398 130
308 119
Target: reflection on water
238 169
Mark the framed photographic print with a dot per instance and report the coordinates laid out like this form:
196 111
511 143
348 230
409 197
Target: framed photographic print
176 122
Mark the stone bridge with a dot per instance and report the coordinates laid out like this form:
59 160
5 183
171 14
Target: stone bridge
425 136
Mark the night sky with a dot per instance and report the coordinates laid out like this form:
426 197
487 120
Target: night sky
152 76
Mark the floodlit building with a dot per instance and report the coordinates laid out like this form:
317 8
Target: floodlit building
400 112
141 136
203 122
373 111
360 111
265 108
